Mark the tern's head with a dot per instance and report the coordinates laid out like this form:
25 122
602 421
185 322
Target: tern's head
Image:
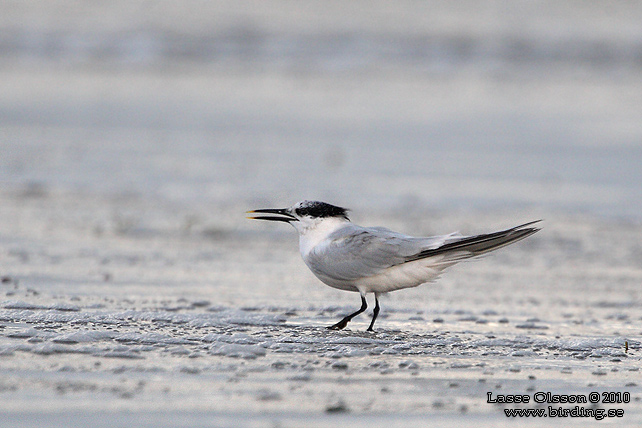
304 214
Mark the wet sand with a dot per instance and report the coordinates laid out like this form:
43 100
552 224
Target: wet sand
132 141
227 328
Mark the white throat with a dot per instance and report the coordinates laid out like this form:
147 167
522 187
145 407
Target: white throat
315 231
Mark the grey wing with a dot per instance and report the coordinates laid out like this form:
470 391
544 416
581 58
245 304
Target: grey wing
461 247
356 252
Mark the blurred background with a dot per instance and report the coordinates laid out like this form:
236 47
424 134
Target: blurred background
406 107
135 134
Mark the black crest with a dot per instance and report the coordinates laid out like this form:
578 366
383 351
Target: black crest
320 210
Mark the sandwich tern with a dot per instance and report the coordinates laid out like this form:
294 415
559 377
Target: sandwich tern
377 260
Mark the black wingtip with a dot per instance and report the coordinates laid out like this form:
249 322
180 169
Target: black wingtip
527 224
480 244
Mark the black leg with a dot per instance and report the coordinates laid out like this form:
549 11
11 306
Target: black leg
374 313
344 322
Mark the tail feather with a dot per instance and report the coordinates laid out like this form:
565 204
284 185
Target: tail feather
472 246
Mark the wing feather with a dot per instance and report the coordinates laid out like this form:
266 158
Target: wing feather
471 246
356 252
353 253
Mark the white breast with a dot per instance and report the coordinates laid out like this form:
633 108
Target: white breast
316 232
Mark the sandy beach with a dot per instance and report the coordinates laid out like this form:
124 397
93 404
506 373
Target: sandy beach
134 292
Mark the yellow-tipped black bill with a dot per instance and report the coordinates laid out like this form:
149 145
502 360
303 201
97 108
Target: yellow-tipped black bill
283 215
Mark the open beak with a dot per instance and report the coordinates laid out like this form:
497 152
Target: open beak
283 215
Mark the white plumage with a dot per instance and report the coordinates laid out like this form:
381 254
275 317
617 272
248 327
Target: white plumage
375 259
